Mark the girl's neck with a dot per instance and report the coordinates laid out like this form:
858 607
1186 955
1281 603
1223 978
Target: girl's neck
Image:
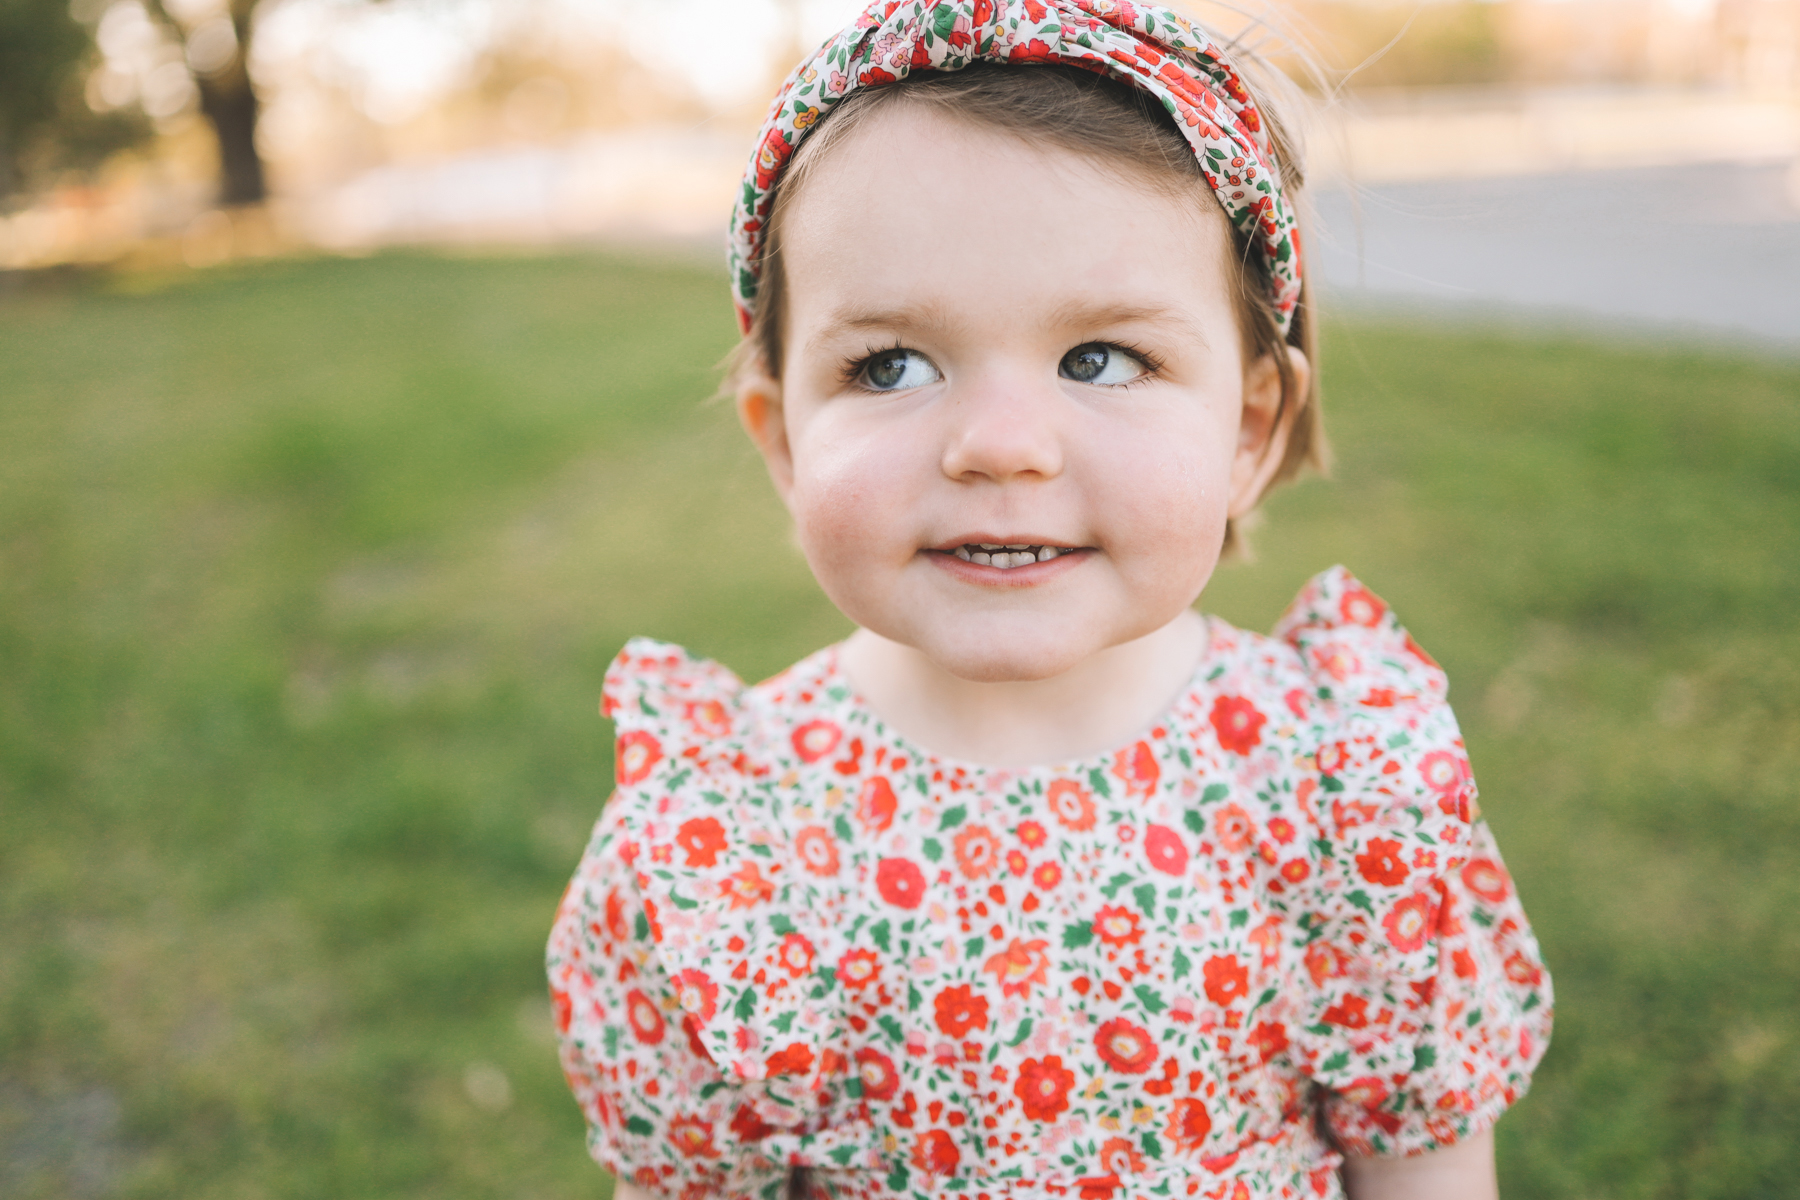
1092 708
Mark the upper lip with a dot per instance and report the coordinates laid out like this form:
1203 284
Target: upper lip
1011 539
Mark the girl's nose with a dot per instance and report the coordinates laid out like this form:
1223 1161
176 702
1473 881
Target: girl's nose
1003 432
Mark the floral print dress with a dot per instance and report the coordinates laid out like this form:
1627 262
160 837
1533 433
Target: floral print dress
1272 928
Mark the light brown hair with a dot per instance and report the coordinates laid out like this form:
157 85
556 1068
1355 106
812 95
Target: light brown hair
1099 118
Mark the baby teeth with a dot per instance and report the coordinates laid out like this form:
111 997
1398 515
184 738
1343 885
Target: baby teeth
988 554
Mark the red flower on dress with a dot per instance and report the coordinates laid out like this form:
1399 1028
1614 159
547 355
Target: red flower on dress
1360 606
1237 722
771 157
1125 1047
1117 926
796 1059
1444 772
876 1070
1046 876
1118 1156
1188 1125
977 851
935 1154
795 955
1522 970
1033 51
1137 768
1331 758
701 839
1019 966
1031 834
637 752
1016 862
875 77
815 739
1381 862
1487 879
645 1019
565 1009
693 1137
876 805
1409 922
817 850
696 992
746 887
1234 828
959 1010
1043 1087
1352 1012
1227 980
858 968
708 717
690 1025
900 882
1367 1091
1325 961
615 915
749 1126
1071 804
1165 850
1295 870
1281 829
1269 1037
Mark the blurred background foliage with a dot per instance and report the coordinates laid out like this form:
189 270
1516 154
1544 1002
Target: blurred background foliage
312 569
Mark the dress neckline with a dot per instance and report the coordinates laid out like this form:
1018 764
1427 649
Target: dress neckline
833 673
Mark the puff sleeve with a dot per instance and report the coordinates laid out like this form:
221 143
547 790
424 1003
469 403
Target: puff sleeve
681 920
1424 1001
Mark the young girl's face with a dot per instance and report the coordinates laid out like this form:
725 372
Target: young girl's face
991 343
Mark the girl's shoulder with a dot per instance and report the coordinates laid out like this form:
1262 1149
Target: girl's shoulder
1337 657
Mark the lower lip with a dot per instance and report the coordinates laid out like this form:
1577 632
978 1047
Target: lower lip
1029 575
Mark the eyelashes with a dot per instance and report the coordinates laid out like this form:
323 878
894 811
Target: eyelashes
894 367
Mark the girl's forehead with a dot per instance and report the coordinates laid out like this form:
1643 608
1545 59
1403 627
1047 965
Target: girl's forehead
916 203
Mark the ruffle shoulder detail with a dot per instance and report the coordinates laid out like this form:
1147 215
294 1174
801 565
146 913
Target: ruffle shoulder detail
722 893
1418 963
1354 648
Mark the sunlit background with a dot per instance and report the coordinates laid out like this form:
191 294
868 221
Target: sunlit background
350 125
354 365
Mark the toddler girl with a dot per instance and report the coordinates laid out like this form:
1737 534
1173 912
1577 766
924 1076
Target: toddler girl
1041 883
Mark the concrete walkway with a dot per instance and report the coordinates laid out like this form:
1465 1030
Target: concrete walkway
1710 251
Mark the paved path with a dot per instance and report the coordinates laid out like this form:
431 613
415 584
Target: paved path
1709 251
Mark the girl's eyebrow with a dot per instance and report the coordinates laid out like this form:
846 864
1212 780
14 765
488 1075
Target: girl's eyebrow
924 318
1078 315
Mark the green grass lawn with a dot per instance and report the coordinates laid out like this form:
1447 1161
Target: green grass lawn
310 570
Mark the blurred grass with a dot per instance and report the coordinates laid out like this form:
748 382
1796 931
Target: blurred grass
310 572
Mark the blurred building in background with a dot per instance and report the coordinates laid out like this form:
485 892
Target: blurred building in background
526 121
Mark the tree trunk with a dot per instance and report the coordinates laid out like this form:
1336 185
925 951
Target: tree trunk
229 102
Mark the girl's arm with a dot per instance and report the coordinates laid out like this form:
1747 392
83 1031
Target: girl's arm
1464 1171
629 1191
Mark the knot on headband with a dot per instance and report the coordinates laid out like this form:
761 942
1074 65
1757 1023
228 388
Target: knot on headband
1149 47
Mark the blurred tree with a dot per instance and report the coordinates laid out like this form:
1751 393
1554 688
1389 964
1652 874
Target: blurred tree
215 40
45 121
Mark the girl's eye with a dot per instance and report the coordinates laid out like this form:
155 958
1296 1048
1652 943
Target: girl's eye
897 370
1098 363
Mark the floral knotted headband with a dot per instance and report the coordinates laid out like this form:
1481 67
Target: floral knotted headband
1145 45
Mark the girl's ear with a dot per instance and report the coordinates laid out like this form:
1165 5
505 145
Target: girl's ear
759 410
1265 424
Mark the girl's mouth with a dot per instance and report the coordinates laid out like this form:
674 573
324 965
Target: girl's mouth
989 554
